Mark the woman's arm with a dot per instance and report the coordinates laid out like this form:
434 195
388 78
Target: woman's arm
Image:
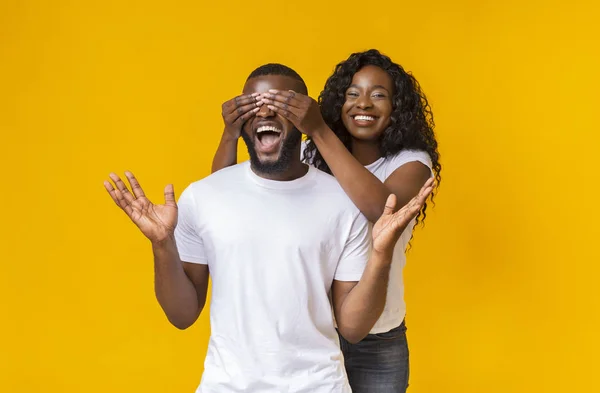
226 154
235 113
366 191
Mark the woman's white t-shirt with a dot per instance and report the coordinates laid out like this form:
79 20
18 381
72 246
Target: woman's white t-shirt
395 306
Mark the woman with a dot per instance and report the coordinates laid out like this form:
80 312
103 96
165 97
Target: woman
373 130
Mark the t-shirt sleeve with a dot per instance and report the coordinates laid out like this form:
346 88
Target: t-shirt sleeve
303 150
406 156
189 242
356 251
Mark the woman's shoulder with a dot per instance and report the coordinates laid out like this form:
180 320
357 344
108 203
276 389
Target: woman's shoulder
403 157
408 155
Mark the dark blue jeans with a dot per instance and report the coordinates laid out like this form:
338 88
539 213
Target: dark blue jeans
379 363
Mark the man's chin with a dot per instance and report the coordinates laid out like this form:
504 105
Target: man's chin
273 161
270 159
269 166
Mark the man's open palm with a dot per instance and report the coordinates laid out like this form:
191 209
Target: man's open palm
389 227
157 222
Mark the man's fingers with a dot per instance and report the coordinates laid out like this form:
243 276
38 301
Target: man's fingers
425 190
122 188
111 191
390 205
402 217
411 209
170 195
123 202
118 198
135 186
428 186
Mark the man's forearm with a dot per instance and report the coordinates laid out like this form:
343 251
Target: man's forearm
364 304
174 290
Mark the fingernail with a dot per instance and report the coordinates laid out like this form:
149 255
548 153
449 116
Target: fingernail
273 91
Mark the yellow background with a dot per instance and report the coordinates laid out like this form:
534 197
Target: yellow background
502 283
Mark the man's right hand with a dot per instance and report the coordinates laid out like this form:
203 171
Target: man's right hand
237 111
157 222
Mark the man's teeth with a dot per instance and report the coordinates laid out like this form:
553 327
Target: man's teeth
363 117
268 128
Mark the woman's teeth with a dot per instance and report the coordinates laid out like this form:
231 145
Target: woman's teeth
363 117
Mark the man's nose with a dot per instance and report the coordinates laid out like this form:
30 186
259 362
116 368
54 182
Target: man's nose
264 111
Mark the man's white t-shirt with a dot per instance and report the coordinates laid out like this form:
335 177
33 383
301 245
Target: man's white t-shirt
273 249
395 306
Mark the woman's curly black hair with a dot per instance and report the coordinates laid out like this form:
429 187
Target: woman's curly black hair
411 126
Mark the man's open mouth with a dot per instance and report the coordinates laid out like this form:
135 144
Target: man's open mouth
268 138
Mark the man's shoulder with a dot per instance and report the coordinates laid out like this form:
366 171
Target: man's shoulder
332 193
327 183
218 181
231 172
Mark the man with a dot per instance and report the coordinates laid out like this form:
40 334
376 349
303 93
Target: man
277 237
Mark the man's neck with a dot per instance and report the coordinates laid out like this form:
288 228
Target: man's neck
295 171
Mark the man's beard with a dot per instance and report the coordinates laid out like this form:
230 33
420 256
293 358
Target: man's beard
286 154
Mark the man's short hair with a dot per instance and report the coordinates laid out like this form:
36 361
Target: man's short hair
278 69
